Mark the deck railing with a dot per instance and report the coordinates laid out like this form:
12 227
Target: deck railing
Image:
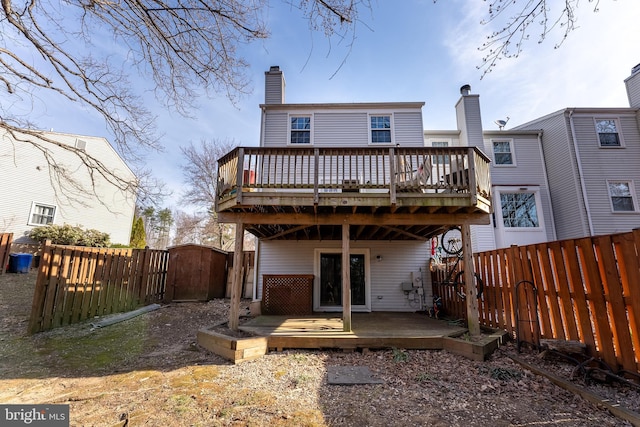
369 169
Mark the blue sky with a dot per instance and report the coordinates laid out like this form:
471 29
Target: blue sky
410 50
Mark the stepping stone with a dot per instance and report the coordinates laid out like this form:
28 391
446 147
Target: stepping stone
348 375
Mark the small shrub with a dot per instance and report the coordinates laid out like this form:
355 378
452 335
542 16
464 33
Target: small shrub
69 235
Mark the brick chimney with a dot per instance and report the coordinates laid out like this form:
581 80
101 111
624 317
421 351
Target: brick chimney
633 87
469 118
274 86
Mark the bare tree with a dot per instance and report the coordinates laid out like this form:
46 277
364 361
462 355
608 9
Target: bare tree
59 51
200 173
517 20
189 228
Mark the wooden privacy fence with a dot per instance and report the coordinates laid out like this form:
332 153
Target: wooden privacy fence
5 248
587 289
76 283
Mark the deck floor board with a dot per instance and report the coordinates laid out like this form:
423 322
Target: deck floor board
369 330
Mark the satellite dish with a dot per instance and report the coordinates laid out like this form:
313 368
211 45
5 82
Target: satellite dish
501 123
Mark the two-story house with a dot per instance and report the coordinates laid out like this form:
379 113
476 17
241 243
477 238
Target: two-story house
347 195
32 194
592 158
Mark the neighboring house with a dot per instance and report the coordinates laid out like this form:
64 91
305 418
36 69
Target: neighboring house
592 158
352 178
570 174
522 210
32 197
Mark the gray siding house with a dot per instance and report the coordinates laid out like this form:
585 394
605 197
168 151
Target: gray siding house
385 264
592 158
339 190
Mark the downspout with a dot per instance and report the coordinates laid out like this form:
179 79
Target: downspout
580 175
262 124
546 181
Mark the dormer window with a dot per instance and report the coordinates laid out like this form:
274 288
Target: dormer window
608 135
380 129
300 130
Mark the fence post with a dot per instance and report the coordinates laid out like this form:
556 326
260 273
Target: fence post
41 289
144 275
5 249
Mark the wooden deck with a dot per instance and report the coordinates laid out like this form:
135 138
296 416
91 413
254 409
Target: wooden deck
369 330
393 193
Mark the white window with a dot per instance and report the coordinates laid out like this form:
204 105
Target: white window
300 129
503 152
441 160
608 134
519 209
380 129
41 214
622 196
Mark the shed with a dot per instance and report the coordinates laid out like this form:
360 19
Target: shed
196 273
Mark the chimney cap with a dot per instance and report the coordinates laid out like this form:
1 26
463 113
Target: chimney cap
465 90
274 68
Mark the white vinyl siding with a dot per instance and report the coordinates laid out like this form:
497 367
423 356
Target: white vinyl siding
528 175
601 166
26 180
398 261
342 128
408 128
336 129
564 185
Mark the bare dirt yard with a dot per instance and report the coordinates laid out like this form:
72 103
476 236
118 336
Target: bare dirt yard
149 371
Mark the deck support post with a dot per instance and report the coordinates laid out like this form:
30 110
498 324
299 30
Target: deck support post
346 279
236 284
473 316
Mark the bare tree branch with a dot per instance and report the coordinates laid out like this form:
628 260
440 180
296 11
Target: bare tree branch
86 51
516 20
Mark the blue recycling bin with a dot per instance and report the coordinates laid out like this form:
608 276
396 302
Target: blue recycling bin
19 262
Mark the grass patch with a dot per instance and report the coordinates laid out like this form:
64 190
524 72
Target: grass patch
400 355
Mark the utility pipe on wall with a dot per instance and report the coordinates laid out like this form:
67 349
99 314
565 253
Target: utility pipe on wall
580 176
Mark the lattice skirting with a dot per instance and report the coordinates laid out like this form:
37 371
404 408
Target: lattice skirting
287 294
